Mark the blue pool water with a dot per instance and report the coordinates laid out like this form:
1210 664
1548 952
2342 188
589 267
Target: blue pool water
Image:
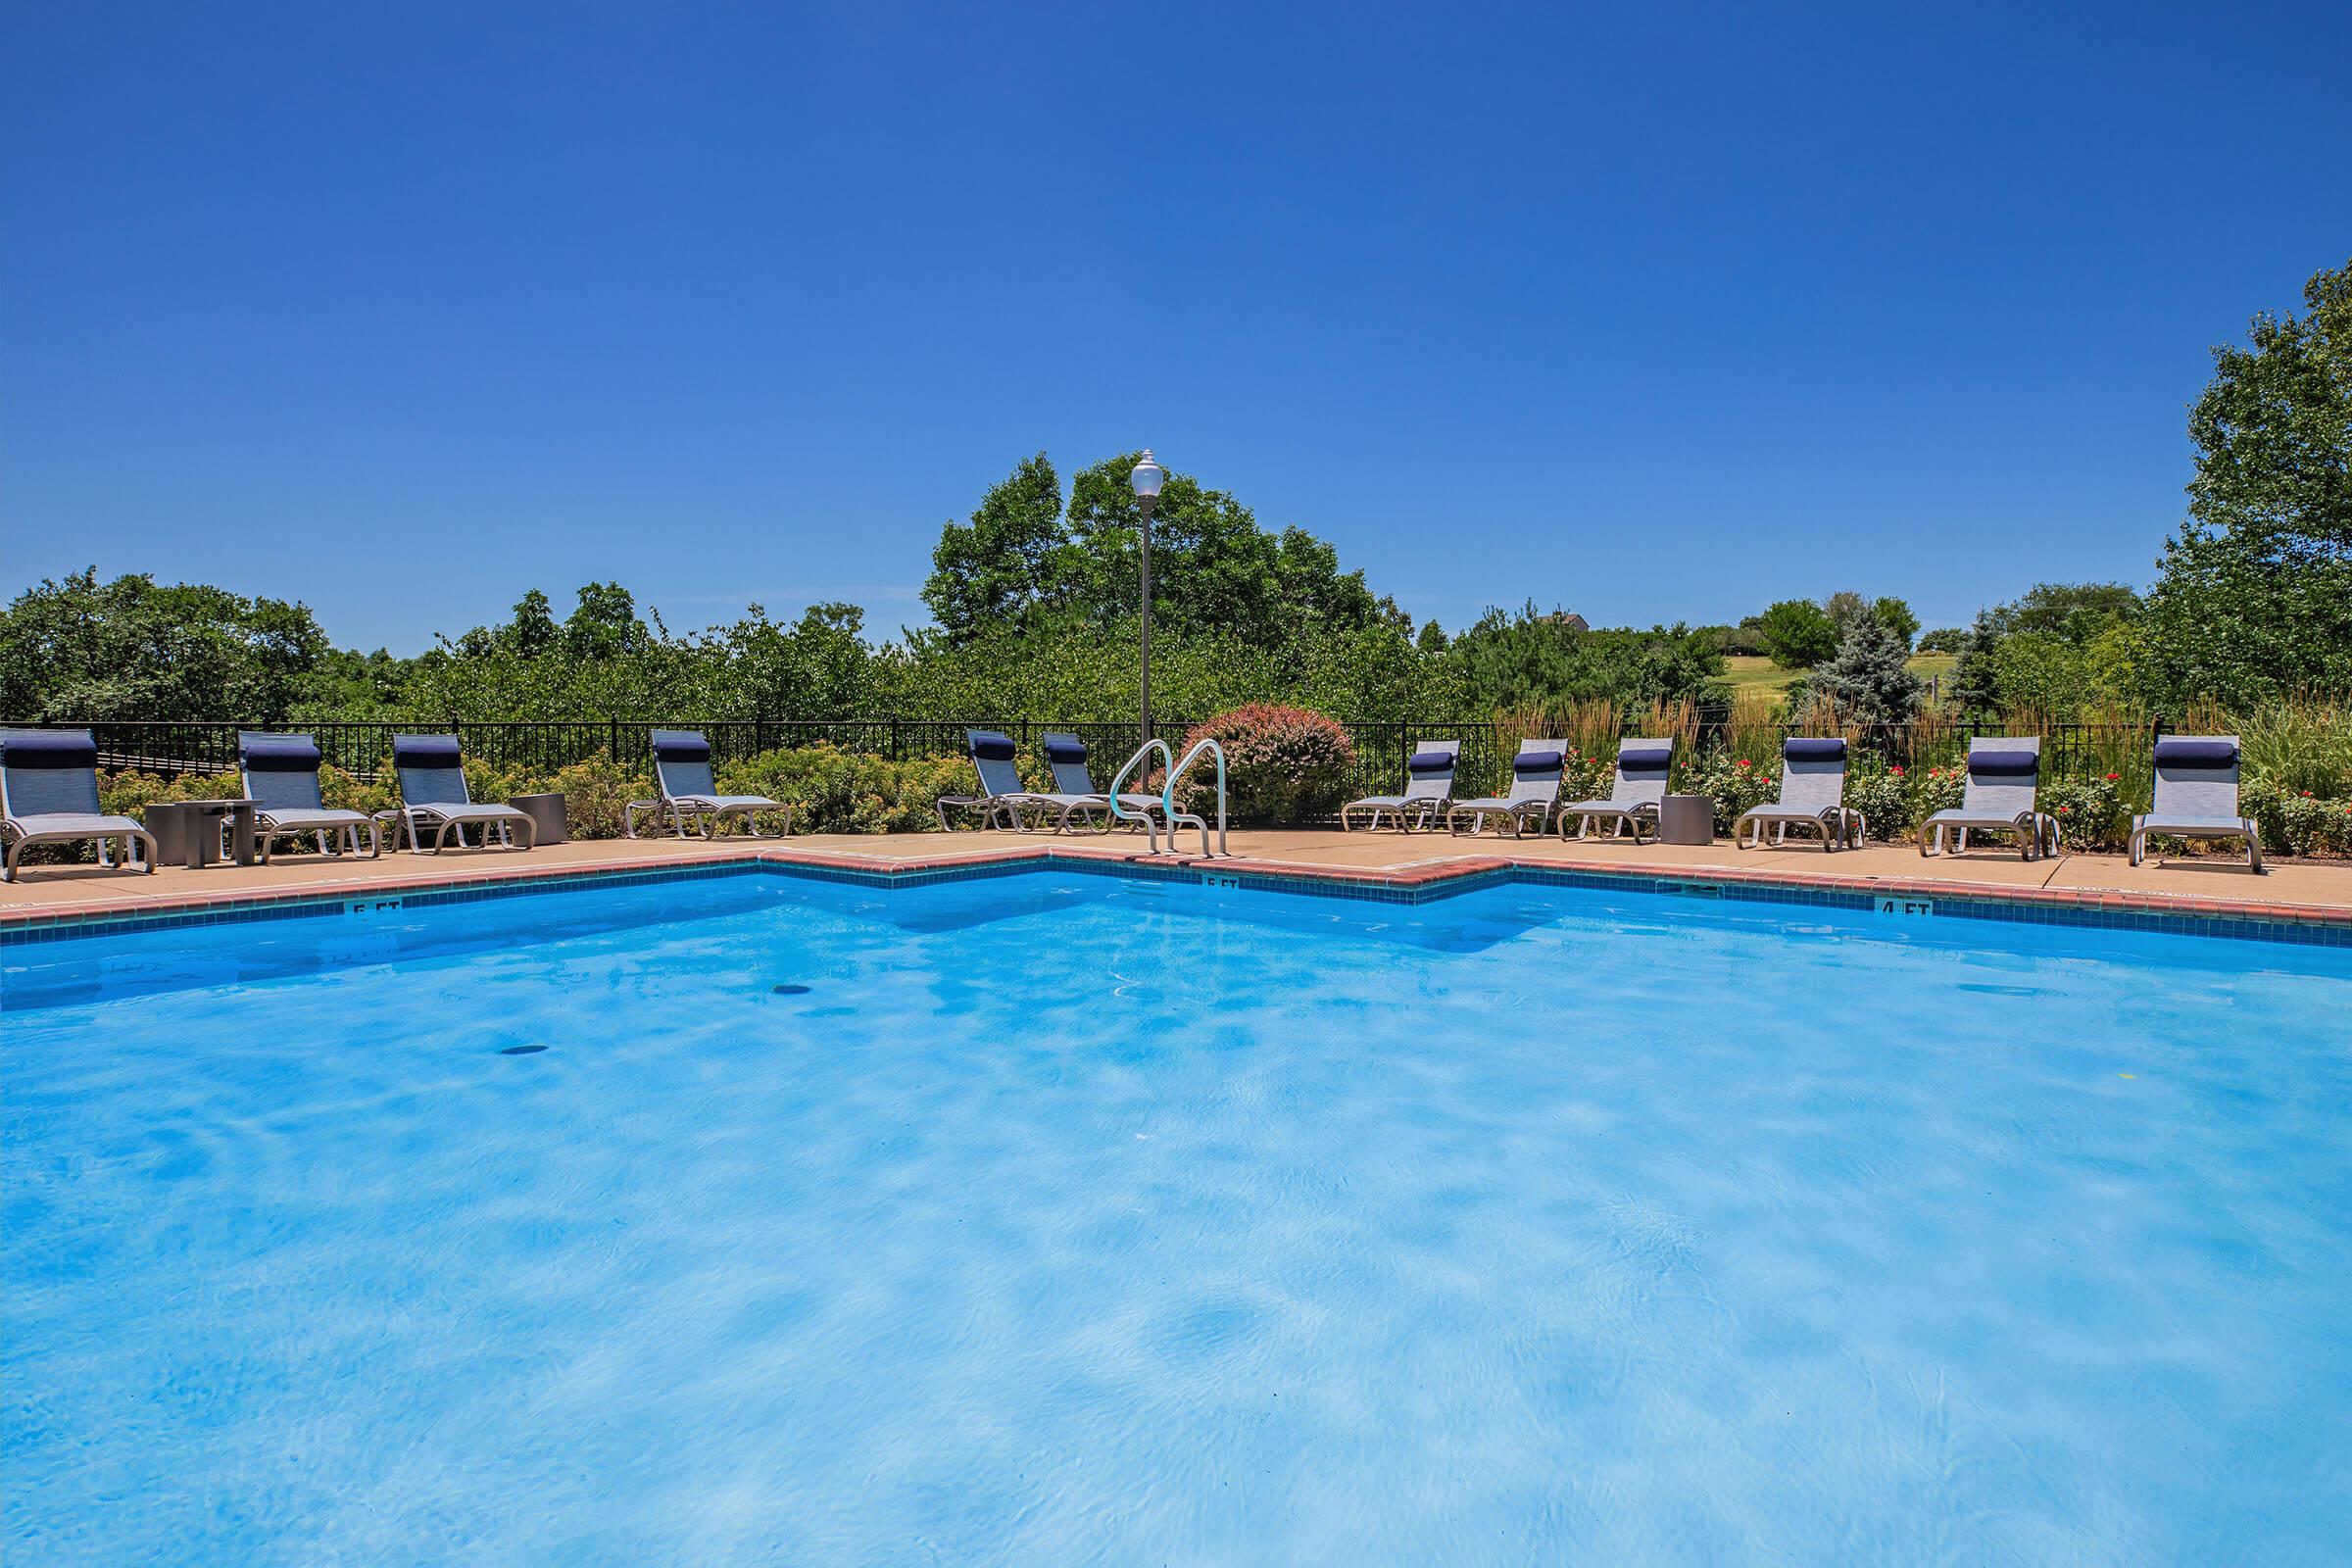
1065 1218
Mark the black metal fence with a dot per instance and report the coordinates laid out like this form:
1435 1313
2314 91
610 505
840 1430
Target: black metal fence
1382 746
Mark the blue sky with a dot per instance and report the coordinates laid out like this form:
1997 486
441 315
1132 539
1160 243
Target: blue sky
1654 312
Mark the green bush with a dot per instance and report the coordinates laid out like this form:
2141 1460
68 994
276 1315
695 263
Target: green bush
1282 764
2090 811
1883 795
833 791
1736 783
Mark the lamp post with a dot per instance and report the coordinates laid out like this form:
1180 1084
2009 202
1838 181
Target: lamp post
1146 479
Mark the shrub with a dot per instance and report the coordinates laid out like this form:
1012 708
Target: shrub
833 791
596 794
2300 822
2090 810
1882 794
1736 783
1935 789
1282 764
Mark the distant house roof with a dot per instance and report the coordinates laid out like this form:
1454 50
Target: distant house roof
1570 619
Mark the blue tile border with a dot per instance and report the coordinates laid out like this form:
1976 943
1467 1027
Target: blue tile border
1971 906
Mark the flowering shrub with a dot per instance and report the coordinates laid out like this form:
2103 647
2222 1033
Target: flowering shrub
1883 795
1736 783
1282 764
2300 822
1583 776
1935 789
2090 811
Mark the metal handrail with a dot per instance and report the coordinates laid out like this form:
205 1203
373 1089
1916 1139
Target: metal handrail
1119 784
1177 819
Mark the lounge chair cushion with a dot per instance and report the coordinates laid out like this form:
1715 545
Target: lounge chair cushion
1962 817
426 751
2192 826
1814 748
2004 765
295 819
1429 763
990 746
281 754
1535 762
1645 759
466 812
51 749
78 824
672 747
2183 751
1064 748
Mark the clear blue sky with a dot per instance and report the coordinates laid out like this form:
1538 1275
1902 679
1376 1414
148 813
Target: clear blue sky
402 310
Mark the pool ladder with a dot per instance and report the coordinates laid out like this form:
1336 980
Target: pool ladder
1177 820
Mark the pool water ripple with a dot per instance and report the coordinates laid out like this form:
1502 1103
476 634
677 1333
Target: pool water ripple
1064 1220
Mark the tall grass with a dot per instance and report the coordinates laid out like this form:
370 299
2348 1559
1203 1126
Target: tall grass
1752 729
2298 743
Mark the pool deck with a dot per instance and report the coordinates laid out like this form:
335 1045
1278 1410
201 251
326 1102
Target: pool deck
2303 893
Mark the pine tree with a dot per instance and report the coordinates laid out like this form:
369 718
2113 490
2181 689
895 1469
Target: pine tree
1869 677
1975 683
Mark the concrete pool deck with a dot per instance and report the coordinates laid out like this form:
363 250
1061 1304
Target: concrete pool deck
2212 887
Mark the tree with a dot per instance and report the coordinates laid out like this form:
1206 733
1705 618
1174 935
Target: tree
1868 678
1976 678
2255 592
2074 612
1942 640
1000 568
1027 559
1799 633
1843 604
605 623
131 648
1897 617
1529 657
533 632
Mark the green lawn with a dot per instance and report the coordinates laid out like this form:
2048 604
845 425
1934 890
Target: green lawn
1754 674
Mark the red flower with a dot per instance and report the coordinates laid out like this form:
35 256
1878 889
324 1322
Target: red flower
2307 795
2062 811
2112 777
1897 770
1744 762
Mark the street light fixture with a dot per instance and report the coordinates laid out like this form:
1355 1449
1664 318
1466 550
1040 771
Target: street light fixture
1147 480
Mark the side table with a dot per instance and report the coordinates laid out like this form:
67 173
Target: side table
188 832
1687 819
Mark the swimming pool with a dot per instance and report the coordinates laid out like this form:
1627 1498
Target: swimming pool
1056 1217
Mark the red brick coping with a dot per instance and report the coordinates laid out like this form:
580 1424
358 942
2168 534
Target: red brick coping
1424 874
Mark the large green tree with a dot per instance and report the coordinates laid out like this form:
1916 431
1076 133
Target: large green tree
134 649
1026 559
2255 596
1797 633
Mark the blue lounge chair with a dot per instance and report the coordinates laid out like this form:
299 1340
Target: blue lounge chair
682 774
2196 796
1635 797
1003 800
1066 758
49 795
1428 790
1812 795
2004 773
281 779
1534 791
433 794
